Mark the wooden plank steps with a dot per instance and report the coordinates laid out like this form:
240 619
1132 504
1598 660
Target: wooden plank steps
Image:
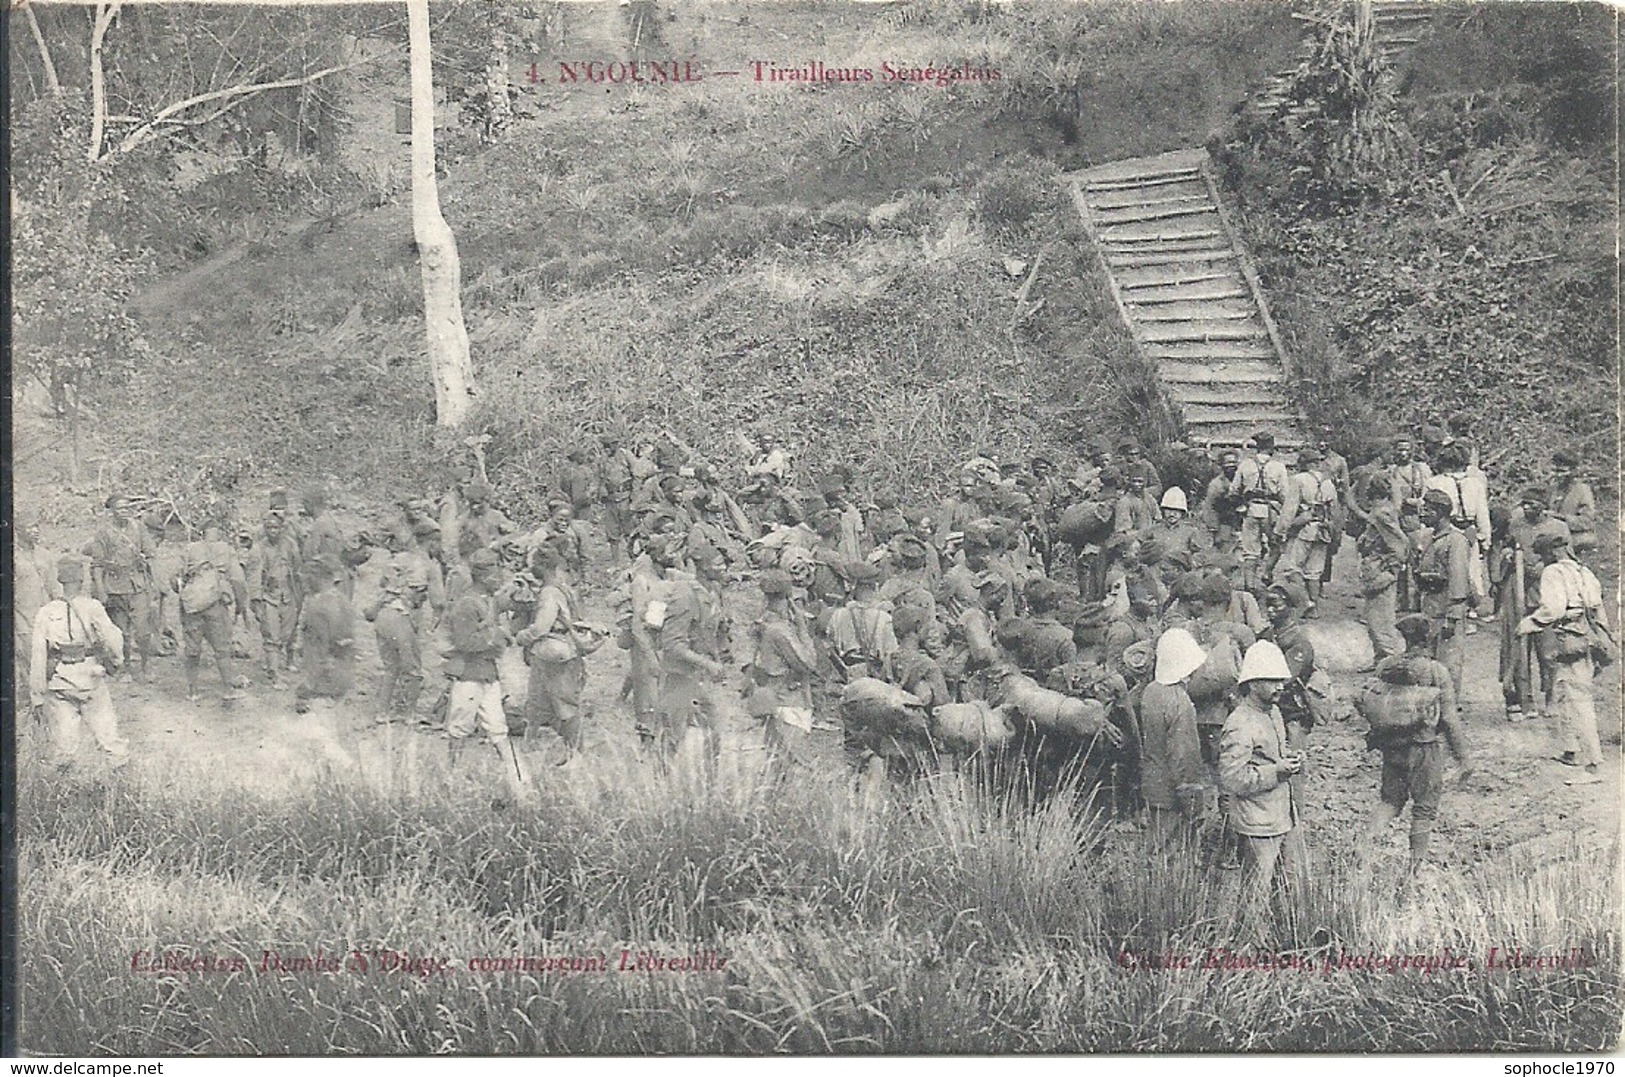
1260 415
1127 235
1236 395
1217 352
1223 288
1134 198
1187 293
1130 260
1171 276
1180 373
1108 218
1205 329
1217 310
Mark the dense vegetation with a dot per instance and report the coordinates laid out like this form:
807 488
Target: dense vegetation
1460 266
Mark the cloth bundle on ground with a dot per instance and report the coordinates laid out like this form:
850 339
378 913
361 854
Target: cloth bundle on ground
970 726
877 707
1051 711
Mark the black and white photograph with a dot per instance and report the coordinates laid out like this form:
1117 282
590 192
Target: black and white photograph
813 527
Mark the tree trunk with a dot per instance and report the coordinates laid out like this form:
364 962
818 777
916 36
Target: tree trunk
98 88
498 109
51 81
74 467
437 248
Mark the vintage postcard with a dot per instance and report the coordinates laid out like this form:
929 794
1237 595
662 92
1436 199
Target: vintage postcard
814 527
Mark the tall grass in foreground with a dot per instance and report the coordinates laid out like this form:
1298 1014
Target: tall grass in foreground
941 918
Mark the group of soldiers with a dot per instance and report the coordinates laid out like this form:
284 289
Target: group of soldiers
1177 594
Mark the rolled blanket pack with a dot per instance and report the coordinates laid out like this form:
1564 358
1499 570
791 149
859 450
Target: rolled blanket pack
875 706
1051 711
970 726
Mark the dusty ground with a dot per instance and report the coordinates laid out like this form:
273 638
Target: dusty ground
1516 797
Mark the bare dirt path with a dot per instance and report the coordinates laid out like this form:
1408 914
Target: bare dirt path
1516 797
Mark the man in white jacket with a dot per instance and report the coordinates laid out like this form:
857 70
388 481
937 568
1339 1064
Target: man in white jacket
73 644
1570 605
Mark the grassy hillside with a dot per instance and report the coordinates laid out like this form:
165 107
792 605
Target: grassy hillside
836 264
840 264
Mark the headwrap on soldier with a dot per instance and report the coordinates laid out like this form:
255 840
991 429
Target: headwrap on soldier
1138 657
908 545
1216 590
1042 593
907 619
1417 628
543 559
1550 543
1439 500
1189 587
775 581
861 573
1534 495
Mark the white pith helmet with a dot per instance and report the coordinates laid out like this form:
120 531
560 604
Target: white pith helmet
1178 656
1264 662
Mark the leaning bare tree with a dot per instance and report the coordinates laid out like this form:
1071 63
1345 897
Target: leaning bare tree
449 360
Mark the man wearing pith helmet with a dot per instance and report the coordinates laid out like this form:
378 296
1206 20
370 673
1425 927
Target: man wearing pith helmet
1255 767
1171 770
1181 537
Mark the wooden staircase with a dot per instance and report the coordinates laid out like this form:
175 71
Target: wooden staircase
1400 24
1188 294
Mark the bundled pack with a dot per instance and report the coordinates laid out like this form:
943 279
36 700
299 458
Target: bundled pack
874 706
970 726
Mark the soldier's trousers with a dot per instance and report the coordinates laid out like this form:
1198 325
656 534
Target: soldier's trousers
1450 648
1381 616
1576 710
553 698
64 718
403 665
1268 864
132 615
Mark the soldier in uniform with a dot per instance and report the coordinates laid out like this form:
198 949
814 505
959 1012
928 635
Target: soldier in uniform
477 640
691 649
1260 489
272 576
782 672
73 644
121 576
553 652
210 584
327 636
406 589
1413 762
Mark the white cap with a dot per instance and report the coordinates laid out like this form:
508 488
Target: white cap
1178 656
1174 498
1264 662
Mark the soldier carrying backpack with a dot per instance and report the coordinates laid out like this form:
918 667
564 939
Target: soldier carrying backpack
1409 708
